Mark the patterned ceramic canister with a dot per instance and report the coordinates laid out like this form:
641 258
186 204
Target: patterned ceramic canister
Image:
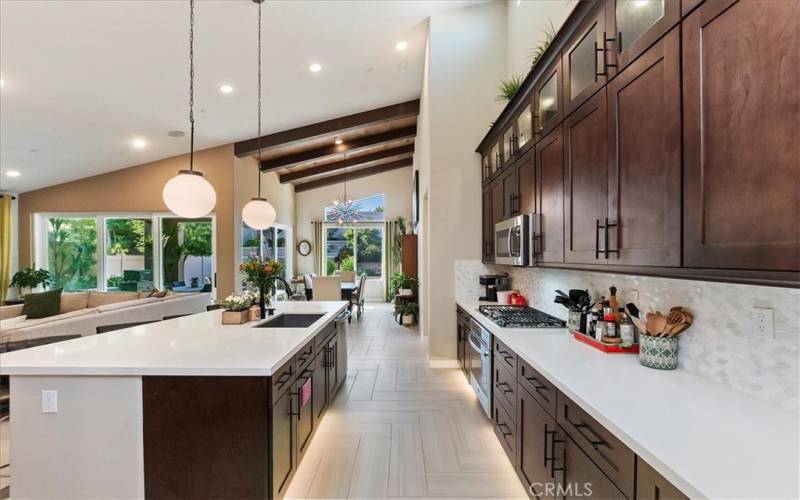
575 321
660 353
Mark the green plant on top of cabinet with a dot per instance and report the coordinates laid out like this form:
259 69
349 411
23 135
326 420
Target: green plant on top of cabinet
547 100
582 60
741 102
633 26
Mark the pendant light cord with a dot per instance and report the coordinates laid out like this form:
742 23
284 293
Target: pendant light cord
259 100
191 84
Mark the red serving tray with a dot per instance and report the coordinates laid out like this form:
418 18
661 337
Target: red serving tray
612 349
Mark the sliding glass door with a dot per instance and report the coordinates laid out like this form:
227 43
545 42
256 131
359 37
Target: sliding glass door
128 259
187 247
71 252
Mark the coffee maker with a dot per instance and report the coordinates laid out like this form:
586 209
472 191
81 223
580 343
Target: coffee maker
494 283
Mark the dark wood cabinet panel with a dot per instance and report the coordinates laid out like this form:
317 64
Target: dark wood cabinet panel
741 104
538 387
537 434
582 60
508 181
548 100
526 184
487 249
341 358
504 386
586 189
305 412
632 27
331 370
502 354
319 391
550 163
498 202
644 167
282 443
581 478
650 485
506 430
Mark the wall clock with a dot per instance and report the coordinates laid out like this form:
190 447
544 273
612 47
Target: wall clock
304 248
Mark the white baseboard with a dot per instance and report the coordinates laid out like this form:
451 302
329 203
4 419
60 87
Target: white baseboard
443 363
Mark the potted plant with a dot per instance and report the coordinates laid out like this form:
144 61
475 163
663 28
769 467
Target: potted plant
261 275
403 285
236 309
29 278
408 311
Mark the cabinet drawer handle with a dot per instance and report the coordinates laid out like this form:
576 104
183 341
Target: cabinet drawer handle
596 442
502 426
533 381
604 50
501 385
283 378
290 412
553 468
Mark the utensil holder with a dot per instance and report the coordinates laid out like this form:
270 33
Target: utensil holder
660 353
576 321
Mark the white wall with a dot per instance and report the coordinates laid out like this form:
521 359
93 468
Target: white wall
466 57
526 21
395 185
281 196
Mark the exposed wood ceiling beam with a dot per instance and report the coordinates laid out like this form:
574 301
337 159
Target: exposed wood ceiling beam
336 125
405 151
333 149
358 174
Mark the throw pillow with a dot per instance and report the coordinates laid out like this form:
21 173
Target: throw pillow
42 305
74 301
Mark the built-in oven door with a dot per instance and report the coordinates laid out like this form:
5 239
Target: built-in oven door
480 367
511 241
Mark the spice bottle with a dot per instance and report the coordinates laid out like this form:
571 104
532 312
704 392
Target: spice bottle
591 321
612 300
627 331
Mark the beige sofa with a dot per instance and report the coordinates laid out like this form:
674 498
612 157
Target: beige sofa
83 312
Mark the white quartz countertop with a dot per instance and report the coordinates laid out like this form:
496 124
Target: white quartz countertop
192 345
707 439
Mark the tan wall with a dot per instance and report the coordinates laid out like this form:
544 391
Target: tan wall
138 189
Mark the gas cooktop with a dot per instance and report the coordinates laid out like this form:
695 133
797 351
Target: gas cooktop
520 317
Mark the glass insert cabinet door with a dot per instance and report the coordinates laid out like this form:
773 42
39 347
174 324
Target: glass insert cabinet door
583 63
494 158
634 18
548 101
508 144
524 127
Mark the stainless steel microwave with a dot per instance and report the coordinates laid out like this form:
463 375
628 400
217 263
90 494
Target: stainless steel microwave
512 241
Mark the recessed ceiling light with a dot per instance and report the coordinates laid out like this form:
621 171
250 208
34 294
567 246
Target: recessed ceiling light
225 88
13 173
338 141
401 45
139 143
315 67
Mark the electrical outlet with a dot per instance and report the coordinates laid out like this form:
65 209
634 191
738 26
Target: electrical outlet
763 322
50 401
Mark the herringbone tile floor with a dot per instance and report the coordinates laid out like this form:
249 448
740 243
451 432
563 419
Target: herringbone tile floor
399 429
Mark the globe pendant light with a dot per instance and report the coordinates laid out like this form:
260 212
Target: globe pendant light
189 194
258 213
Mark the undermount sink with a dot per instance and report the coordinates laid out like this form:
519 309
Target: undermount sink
291 321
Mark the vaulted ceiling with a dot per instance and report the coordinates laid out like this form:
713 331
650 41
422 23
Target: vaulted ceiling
353 146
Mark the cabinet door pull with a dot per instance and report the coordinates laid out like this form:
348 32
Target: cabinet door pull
553 468
293 413
604 50
605 229
597 238
546 446
596 442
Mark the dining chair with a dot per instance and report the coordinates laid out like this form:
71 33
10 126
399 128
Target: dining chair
327 287
347 276
360 295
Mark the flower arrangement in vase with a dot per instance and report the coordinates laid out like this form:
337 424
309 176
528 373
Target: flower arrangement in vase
236 309
261 275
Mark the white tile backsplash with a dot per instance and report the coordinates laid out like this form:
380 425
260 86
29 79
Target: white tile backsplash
721 345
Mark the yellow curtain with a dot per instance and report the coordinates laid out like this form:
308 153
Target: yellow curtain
390 264
5 245
318 247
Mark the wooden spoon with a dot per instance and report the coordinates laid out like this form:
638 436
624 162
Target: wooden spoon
656 322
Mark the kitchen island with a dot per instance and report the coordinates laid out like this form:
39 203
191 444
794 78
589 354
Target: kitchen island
185 408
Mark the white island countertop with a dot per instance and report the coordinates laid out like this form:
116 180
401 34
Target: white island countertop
707 439
198 345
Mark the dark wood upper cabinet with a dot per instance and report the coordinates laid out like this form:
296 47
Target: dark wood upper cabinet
507 146
741 89
633 26
487 249
548 100
526 184
550 162
524 124
494 159
644 159
486 167
504 196
650 485
582 60
586 189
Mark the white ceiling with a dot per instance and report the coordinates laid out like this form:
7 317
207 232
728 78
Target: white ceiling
82 79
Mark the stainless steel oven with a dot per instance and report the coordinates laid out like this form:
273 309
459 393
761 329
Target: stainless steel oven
480 364
511 241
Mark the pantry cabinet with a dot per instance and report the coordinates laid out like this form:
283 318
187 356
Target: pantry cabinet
633 26
644 160
549 243
741 99
583 60
586 182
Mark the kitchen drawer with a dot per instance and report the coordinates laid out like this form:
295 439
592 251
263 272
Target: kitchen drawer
506 429
323 336
306 355
615 459
540 388
505 355
282 380
650 485
504 386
